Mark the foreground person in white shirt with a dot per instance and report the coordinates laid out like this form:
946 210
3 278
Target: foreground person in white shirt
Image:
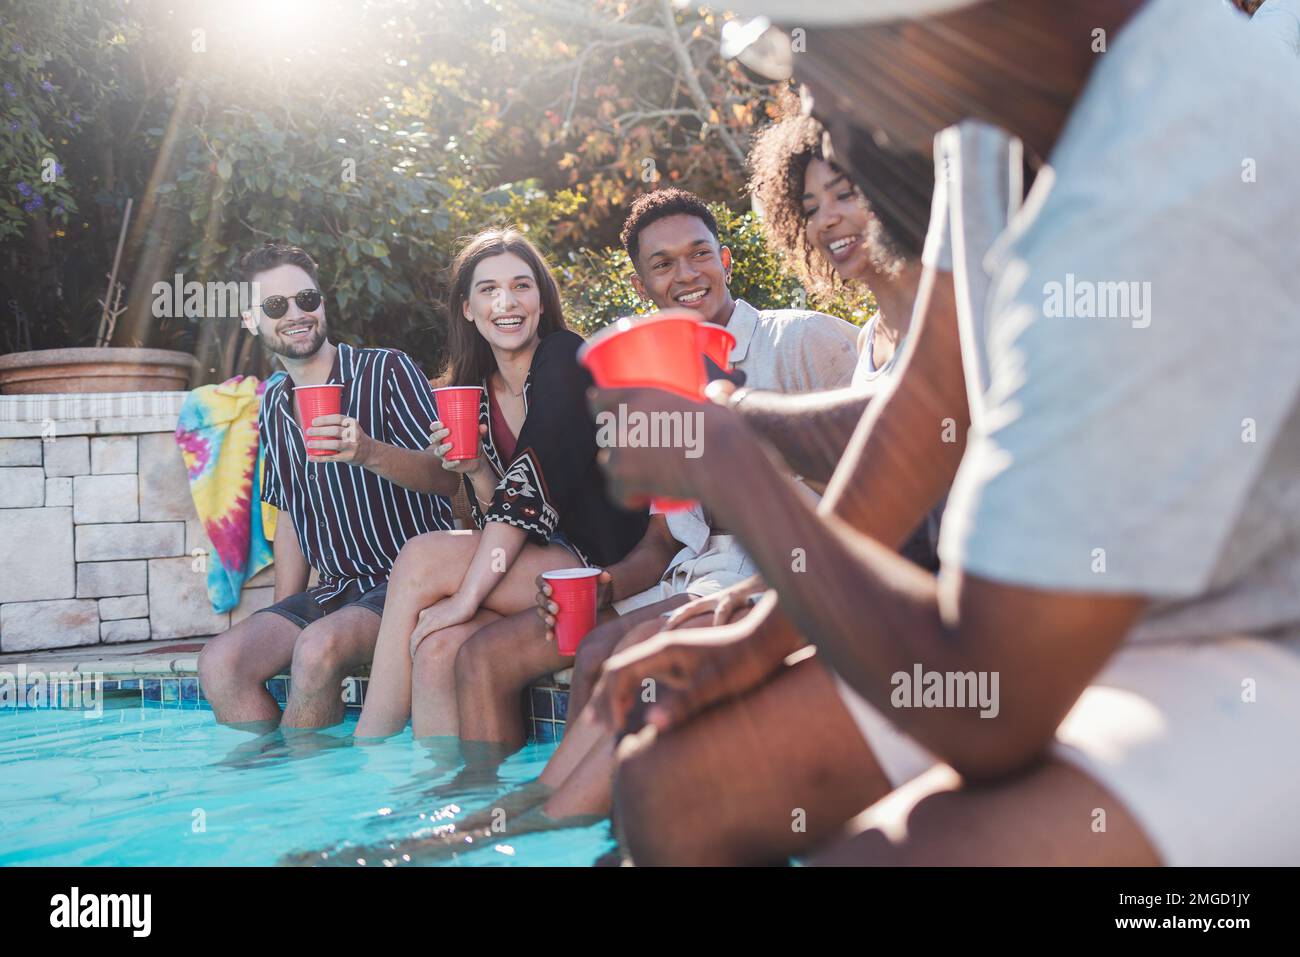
1280 20
1121 547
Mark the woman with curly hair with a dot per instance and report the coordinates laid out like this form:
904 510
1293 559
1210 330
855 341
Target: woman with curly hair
816 216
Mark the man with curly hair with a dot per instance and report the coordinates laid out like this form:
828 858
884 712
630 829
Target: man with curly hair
673 241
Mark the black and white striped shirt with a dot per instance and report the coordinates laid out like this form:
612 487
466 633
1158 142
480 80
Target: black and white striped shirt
351 523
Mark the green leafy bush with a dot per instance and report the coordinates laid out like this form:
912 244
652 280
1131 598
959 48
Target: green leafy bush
381 134
374 181
57 63
59 44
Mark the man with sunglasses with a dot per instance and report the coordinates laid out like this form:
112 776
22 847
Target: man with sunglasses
346 510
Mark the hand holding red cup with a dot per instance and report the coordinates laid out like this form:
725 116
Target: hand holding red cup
573 593
458 408
547 609
664 351
316 401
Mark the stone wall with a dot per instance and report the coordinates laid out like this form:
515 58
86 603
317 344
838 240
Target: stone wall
99 540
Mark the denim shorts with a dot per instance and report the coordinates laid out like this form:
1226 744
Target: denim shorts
559 539
302 609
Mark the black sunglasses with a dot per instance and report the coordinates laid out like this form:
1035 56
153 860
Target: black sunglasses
308 300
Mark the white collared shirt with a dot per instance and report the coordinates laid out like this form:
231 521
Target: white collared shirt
1281 18
1109 450
792 350
779 350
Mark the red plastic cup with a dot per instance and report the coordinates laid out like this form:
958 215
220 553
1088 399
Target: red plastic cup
574 591
716 343
314 401
658 352
661 351
458 410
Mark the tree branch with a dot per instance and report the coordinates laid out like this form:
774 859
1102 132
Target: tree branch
570 13
639 115
692 81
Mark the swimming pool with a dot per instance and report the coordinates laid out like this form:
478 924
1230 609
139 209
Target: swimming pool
143 785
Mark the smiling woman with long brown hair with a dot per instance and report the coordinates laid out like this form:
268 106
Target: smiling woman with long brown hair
538 498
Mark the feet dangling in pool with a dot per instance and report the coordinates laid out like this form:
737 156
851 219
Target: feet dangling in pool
249 753
482 760
282 744
486 828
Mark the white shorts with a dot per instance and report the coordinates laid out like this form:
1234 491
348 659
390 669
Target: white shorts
720 565
1212 778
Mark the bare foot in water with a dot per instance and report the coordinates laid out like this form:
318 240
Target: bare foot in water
444 842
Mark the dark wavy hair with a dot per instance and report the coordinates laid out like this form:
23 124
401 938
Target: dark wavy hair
470 360
269 255
778 164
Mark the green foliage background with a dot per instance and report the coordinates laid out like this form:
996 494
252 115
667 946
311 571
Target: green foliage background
376 134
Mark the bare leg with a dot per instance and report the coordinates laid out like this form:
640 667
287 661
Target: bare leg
433 677
478 689
587 795
428 569
491 670
583 732
325 652
235 666
1041 817
515 592
583 779
757 780
599 645
584 794
577 782
588 790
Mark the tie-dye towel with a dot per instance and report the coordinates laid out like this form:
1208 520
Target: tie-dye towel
217 435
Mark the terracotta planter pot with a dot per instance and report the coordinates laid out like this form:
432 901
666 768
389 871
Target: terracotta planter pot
61 371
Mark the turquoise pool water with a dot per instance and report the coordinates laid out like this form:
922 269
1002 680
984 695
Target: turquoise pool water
150 786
